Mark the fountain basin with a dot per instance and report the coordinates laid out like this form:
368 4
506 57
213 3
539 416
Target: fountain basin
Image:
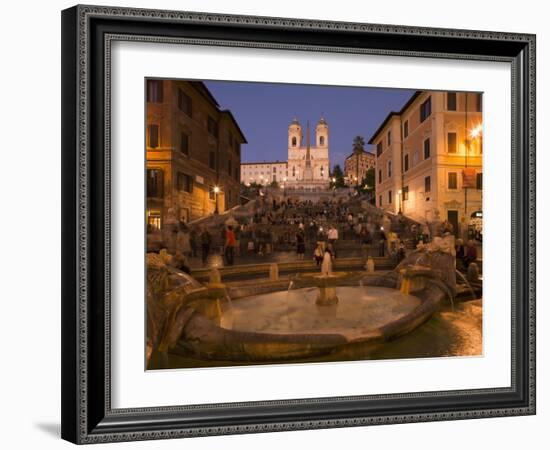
278 326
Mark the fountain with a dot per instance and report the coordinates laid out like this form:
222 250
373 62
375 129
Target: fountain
307 316
327 294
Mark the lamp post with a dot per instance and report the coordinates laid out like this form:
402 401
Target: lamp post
216 192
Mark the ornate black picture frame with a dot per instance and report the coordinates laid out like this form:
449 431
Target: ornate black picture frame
87 415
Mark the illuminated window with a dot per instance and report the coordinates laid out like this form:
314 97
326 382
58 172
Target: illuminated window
153 220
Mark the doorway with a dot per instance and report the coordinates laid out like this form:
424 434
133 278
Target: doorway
452 217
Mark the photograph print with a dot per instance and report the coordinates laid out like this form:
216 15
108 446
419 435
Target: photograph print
293 223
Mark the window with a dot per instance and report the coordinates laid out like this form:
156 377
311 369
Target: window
427 184
212 160
451 142
155 183
389 169
153 220
415 158
184 143
380 200
451 101
322 141
294 141
153 136
406 163
154 91
212 127
274 169
452 180
379 148
406 128
185 182
379 175
185 103
389 197
478 102
405 193
427 148
425 109
389 138
479 181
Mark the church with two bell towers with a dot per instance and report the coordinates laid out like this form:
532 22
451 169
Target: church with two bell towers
307 166
308 163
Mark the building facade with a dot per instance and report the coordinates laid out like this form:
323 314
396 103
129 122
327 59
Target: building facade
357 164
429 159
307 166
193 153
264 173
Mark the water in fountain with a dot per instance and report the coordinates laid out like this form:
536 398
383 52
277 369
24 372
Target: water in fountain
467 283
326 266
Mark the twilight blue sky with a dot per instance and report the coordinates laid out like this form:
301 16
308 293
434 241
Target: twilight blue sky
264 111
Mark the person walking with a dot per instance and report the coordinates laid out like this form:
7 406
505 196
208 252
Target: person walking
206 241
230 243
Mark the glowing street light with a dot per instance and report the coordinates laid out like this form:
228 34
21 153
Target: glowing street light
476 131
216 192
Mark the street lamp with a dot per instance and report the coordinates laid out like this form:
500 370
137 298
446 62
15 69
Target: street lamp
476 131
216 192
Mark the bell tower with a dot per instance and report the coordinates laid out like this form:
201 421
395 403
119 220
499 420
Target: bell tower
321 134
294 135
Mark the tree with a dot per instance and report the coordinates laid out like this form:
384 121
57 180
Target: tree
358 144
368 183
274 184
337 174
